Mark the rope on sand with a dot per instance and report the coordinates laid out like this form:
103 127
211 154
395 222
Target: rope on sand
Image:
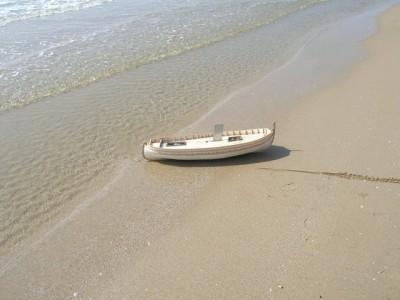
343 175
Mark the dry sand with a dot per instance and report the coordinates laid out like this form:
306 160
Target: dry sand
257 230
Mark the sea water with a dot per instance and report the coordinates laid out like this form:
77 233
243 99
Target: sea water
83 82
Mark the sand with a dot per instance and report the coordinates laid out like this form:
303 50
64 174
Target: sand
260 233
270 225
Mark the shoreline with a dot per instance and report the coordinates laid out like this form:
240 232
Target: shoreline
260 233
264 233
77 138
251 232
270 98
294 235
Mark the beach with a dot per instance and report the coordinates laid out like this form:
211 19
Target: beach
262 231
317 215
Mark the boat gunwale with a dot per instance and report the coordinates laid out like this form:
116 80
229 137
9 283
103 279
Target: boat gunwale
208 135
230 146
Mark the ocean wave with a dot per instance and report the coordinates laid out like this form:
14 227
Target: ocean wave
161 41
13 11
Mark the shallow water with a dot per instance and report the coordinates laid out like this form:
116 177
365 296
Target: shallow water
98 81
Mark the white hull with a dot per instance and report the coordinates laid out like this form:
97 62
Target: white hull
203 147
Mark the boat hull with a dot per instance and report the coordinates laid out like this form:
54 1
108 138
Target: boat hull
207 149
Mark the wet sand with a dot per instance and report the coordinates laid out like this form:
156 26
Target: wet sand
248 227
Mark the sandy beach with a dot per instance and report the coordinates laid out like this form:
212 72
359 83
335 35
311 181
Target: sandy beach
284 224
263 233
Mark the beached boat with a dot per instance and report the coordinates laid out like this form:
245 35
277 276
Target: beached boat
217 145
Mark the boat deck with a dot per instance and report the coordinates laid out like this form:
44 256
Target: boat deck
208 142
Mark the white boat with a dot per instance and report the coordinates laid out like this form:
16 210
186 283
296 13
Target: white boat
217 145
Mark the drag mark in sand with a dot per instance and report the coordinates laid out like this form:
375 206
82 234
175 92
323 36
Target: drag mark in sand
343 175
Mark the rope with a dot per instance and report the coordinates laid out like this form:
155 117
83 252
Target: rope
343 175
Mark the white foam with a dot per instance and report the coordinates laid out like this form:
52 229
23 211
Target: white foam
14 10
